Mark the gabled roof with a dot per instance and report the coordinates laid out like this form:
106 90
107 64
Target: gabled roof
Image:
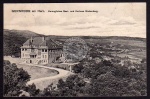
38 42
43 43
50 44
27 42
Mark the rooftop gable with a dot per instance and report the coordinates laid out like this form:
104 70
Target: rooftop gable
39 41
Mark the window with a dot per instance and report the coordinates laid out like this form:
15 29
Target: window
32 50
22 49
39 52
46 50
42 50
45 56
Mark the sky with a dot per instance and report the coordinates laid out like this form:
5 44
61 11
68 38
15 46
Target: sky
112 19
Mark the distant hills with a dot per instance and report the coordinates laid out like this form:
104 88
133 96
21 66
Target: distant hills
23 33
13 39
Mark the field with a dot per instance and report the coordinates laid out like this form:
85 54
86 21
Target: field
139 54
37 72
135 49
129 42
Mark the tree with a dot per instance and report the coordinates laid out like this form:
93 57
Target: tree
60 84
143 60
71 87
86 73
50 91
32 90
108 85
107 63
14 79
121 72
6 62
116 60
127 63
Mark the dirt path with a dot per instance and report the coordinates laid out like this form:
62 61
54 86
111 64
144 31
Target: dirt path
41 83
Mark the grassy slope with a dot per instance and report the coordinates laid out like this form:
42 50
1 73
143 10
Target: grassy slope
37 72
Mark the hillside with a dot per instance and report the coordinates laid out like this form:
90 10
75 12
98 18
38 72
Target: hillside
100 37
13 40
24 33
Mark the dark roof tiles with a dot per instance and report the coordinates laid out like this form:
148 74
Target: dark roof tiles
39 41
27 42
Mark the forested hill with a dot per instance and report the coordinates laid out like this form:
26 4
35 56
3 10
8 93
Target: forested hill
13 40
19 33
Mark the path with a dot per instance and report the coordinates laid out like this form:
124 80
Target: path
42 83
45 81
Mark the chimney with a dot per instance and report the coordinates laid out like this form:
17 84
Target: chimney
31 39
43 38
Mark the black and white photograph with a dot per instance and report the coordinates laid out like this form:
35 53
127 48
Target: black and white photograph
74 49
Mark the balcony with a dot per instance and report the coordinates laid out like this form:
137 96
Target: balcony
33 55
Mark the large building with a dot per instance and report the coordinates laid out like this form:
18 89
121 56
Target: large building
40 50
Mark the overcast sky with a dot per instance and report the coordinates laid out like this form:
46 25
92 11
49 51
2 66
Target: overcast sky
112 19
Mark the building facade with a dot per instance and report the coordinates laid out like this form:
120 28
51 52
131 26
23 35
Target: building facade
40 50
